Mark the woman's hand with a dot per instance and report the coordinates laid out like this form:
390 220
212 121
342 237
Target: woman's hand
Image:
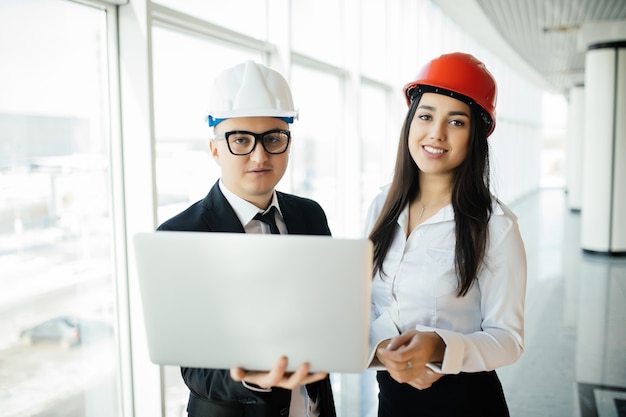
405 357
277 376
425 379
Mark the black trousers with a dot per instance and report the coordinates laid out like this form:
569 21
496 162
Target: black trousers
466 394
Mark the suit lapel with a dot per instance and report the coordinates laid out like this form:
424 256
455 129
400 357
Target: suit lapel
218 214
294 220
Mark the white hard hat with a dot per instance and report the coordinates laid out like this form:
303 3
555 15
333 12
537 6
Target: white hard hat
250 89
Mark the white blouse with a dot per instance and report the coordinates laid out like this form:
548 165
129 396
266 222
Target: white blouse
482 330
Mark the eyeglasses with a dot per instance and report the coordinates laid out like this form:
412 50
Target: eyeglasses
241 142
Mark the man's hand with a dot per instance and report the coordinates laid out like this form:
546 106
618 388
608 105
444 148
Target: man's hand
277 376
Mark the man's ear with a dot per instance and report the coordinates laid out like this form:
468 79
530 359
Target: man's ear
214 150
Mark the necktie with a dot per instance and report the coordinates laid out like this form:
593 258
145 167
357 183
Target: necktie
269 219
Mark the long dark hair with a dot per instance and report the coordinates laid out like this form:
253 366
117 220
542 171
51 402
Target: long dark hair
471 200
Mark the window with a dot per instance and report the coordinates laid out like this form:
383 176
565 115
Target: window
373 29
243 16
317 140
378 146
317 29
57 327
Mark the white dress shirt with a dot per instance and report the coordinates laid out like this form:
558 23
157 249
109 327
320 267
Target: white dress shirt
482 330
301 405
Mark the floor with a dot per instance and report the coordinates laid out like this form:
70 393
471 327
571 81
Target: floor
574 364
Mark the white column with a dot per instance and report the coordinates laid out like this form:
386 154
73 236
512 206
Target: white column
603 220
574 152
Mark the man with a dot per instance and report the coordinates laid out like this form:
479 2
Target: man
251 109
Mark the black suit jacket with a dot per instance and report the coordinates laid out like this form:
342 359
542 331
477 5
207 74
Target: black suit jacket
212 391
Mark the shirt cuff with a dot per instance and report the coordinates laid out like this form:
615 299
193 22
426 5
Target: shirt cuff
454 353
380 329
255 387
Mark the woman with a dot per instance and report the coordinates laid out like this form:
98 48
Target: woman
449 276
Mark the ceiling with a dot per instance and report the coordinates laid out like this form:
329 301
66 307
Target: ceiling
538 36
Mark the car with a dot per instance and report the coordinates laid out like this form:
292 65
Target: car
67 331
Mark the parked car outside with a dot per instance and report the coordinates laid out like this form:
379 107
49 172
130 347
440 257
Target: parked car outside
67 331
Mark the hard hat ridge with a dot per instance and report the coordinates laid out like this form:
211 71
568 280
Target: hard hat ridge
254 92
250 89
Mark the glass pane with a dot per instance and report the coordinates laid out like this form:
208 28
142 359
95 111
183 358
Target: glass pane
57 326
184 69
373 38
317 29
243 16
316 140
378 146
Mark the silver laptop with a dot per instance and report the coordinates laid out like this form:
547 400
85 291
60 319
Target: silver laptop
221 300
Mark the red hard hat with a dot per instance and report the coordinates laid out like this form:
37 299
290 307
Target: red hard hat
459 73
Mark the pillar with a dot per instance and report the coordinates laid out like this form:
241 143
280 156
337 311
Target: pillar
603 212
574 159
